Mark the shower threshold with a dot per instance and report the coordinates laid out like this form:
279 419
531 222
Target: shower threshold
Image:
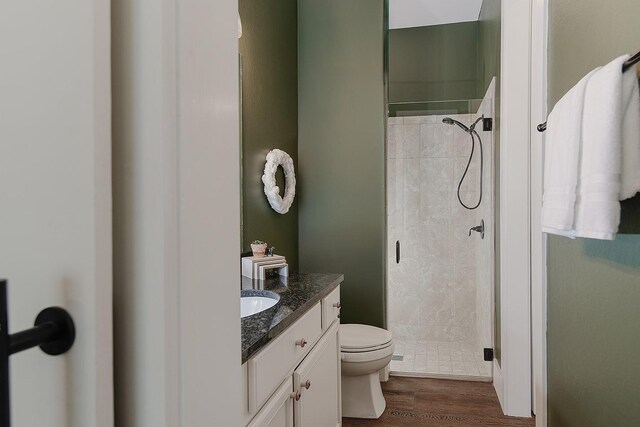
462 360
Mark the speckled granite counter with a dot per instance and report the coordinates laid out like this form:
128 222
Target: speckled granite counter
298 293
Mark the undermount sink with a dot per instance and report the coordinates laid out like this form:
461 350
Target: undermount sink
254 302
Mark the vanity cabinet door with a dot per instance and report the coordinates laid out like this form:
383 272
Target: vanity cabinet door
331 308
318 380
278 411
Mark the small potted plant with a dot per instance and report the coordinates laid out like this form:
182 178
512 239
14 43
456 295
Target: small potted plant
259 248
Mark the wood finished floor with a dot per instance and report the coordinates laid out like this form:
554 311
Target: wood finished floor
428 402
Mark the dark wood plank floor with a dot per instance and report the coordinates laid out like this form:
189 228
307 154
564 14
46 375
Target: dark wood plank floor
428 402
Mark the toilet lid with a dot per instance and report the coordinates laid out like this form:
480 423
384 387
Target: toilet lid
363 338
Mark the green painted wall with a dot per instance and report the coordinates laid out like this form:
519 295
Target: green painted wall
489 24
269 52
435 63
594 286
489 50
341 149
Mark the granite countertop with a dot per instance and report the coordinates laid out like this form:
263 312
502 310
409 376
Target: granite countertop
298 293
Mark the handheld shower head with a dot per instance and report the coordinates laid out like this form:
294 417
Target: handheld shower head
472 132
450 121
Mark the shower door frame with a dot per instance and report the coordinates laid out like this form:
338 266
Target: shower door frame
522 245
539 36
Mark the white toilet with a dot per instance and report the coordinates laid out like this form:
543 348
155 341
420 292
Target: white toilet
365 351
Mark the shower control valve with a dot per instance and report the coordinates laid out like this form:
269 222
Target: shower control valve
478 229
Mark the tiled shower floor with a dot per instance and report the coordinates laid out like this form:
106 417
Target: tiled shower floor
439 359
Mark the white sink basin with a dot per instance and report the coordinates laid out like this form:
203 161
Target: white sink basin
254 304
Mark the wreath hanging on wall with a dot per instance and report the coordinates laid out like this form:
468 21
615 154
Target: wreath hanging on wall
277 158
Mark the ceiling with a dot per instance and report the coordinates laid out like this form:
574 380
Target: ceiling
422 13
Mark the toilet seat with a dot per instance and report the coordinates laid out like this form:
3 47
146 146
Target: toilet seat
368 356
363 338
363 343
365 349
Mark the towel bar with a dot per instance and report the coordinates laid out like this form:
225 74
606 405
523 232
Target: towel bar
626 66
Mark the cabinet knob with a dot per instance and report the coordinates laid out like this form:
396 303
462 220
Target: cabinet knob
307 384
301 342
297 395
337 305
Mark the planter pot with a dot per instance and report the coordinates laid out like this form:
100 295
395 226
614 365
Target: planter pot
259 250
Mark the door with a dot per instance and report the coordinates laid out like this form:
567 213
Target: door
55 203
278 411
318 380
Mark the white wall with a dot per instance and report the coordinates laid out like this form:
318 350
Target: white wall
177 213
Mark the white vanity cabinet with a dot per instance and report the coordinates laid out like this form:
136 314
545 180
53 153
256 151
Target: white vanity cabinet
289 385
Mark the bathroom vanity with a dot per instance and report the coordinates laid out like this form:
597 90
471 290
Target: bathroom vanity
291 354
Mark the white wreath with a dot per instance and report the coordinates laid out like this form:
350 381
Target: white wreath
277 158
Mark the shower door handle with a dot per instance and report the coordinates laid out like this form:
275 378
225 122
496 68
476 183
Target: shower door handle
397 251
53 331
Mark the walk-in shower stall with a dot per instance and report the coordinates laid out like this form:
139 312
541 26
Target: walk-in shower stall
443 62
440 253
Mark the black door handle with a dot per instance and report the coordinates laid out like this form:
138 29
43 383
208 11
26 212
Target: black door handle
397 251
53 331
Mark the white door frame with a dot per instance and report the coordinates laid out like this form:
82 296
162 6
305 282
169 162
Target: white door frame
521 380
539 26
512 375
177 218
208 118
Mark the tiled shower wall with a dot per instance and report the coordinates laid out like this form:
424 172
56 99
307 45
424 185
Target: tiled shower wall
432 293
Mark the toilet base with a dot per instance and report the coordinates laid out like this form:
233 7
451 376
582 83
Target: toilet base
362 396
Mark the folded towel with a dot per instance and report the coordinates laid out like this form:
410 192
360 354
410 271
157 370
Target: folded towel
562 155
608 109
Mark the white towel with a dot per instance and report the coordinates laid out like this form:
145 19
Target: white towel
562 155
630 135
608 108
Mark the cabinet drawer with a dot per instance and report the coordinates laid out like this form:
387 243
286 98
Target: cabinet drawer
269 367
330 308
